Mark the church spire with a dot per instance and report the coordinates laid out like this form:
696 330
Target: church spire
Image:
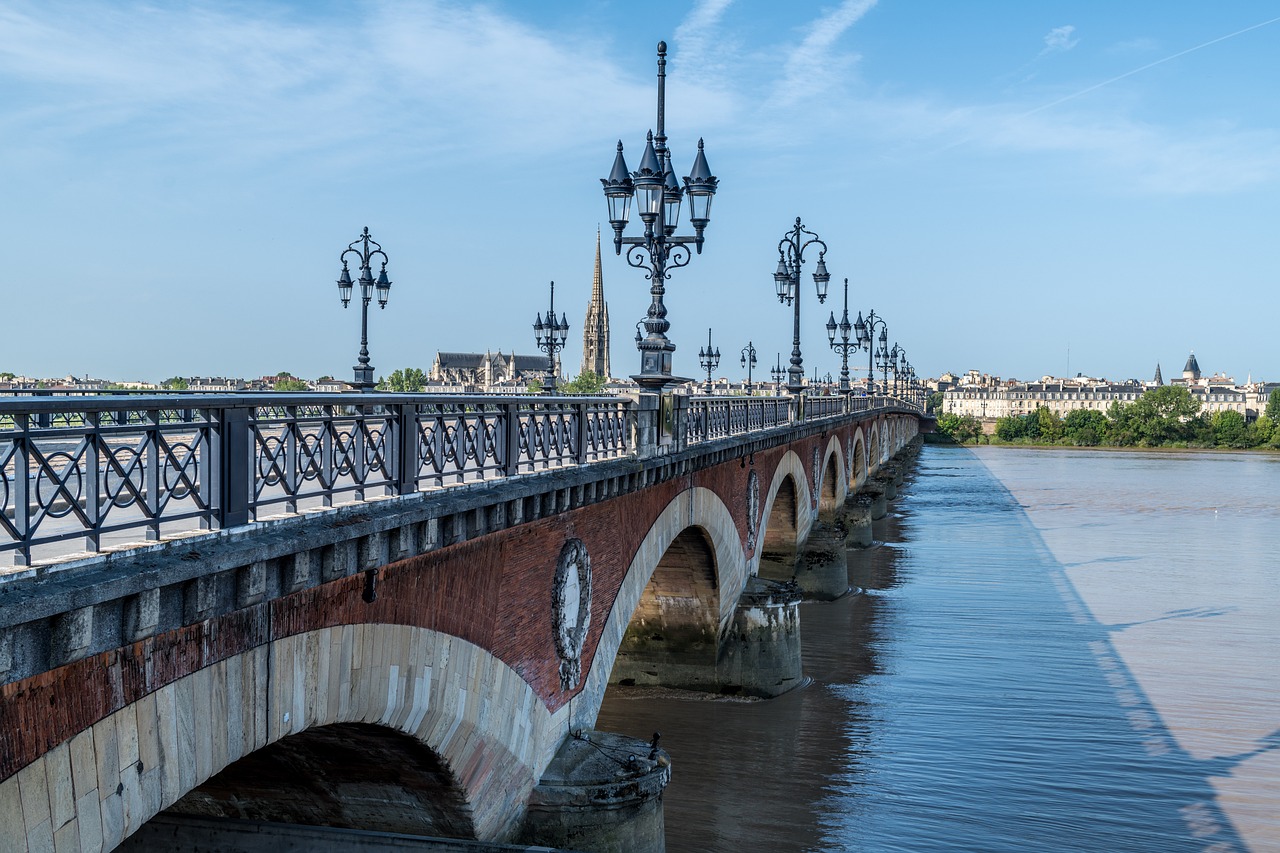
1159 380
595 331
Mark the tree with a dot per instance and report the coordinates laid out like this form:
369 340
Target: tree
960 429
1163 415
175 383
1273 404
1229 429
934 402
406 380
7 376
1085 427
584 383
289 383
1049 425
1260 431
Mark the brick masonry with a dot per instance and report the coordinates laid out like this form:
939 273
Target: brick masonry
492 590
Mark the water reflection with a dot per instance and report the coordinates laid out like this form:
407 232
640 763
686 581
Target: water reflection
969 700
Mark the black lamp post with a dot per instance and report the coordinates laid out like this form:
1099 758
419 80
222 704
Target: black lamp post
787 281
364 370
866 332
658 251
891 363
709 359
551 335
777 372
845 346
899 356
749 362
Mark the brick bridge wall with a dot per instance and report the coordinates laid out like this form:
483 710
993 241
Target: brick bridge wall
131 678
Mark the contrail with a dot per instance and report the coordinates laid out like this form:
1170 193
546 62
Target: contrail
1097 86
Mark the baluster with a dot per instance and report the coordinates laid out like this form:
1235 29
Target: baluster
93 508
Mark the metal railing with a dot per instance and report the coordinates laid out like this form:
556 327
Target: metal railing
709 418
108 470
90 467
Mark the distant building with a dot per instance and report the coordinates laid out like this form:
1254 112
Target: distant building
1191 372
595 330
487 369
981 397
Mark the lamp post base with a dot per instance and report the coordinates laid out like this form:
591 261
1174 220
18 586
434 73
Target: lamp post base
658 382
364 377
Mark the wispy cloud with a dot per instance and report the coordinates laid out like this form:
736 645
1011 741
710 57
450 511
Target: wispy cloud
1060 40
698 35
266 82
812 66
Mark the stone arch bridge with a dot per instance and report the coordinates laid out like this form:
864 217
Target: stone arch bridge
397 613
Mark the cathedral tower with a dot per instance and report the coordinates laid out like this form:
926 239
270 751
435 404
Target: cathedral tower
595 331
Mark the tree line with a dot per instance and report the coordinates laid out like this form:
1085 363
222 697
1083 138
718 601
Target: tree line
1168 416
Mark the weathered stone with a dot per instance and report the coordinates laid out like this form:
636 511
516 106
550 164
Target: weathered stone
760 655
590 799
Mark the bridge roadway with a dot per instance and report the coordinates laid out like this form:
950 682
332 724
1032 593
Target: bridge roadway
424 649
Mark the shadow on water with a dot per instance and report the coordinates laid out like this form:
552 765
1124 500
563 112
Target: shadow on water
966 701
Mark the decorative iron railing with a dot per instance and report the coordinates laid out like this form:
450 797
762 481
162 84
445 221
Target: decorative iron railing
709 418
109 470
91 468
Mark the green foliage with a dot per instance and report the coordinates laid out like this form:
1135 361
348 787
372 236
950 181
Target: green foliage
1261 432
1049 424
960 429
284 374
1273 405
1229 429
934 402
585 383
1085 427
175 383
407 380
7 376
288 383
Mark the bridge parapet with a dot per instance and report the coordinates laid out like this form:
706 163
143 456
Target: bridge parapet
85 468
99 470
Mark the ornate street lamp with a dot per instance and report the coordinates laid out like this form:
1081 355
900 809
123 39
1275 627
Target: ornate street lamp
787 280
777 372
658 251
363 369
749 362
845 346
551 335
866 332
898 364
709 359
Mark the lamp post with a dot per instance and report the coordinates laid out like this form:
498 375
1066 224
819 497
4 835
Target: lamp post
791 250
893 363
363 369
845 346
749 362
551 335
866 332
777 371
658 250
709 359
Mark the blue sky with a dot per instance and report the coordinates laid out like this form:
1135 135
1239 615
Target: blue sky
1004 182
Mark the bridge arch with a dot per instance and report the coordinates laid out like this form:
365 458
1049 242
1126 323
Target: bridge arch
491 733
858 468
694 527
831 487
786 519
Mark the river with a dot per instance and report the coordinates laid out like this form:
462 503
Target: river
1057 650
